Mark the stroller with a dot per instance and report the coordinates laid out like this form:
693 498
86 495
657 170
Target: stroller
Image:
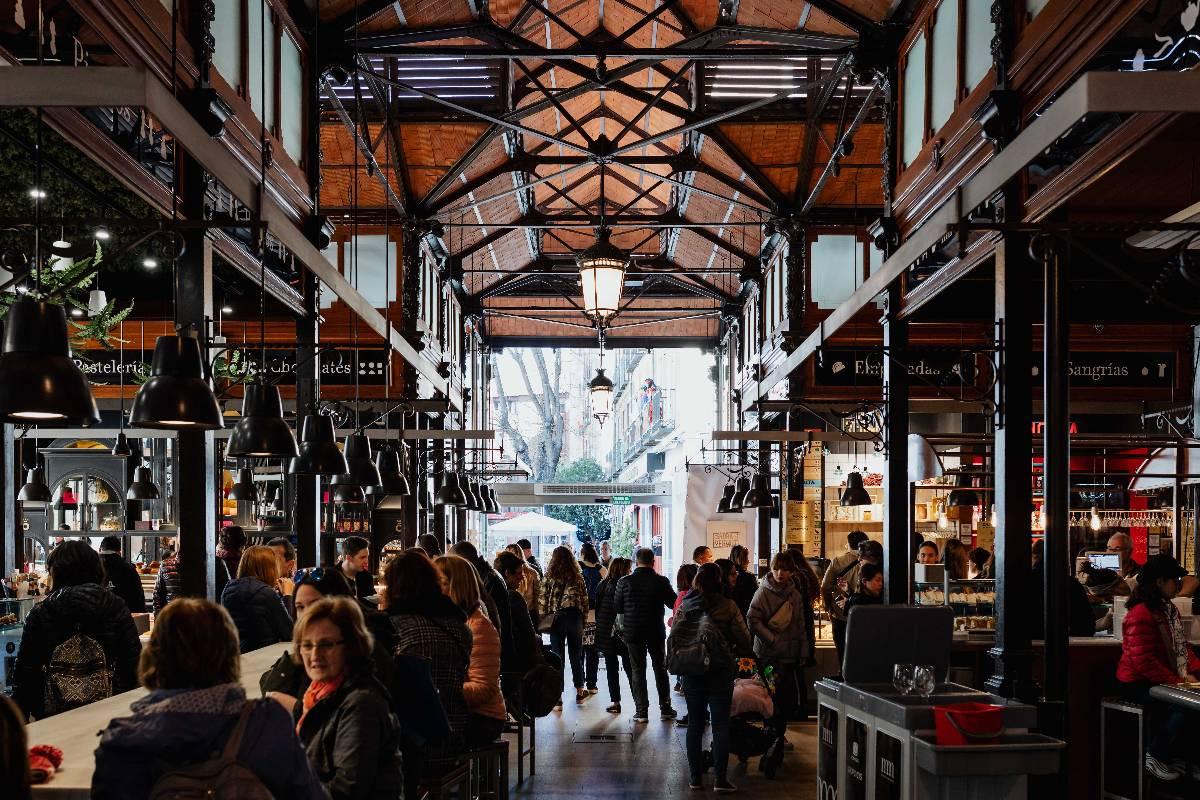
750 731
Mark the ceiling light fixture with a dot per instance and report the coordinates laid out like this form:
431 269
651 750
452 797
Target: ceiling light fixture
243 489
35 489
102 234
318 450
602 270
262 432
150 263
600 389
143 486
177 396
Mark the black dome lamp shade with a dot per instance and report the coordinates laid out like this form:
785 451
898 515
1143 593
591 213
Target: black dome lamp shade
39 382
475 496
243 488
963 494
143 486
855 494
362 465
262 432
177 396
392 479
740 489
759 495
450 493
345 489
493 505
121 446
318 453
723 507
35 489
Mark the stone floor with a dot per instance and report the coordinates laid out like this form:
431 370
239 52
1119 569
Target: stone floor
645 761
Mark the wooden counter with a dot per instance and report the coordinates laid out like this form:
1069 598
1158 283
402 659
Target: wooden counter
77 732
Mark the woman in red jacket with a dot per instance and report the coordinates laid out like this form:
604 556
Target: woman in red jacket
1154 651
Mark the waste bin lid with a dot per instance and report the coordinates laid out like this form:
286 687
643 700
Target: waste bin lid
879 637
1011 754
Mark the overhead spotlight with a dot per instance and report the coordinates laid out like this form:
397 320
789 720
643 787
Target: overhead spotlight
37 194
150 263
76 312
102 235
226 309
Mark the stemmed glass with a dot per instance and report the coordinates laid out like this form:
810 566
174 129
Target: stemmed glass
902 678
924 681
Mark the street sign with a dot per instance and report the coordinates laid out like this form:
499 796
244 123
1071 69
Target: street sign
621 500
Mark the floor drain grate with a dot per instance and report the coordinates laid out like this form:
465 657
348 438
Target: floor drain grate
602 738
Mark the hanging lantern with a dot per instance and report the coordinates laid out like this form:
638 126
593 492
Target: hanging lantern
601 391
855 494
602 277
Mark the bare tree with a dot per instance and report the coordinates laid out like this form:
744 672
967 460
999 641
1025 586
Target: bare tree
541 450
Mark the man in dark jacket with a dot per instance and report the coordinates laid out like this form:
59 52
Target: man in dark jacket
530 558
356 566
79 604
642 597
122 577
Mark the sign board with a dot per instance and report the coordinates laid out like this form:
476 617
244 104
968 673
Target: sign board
724 534
865 367
338 366
827 753
985 536
621 500
1126 370
889 767
856 759
800 527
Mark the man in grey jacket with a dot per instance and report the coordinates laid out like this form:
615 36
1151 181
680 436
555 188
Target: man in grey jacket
840 568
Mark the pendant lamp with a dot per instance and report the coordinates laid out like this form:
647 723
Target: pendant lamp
178 395
318 453
243 489
143 487
723 507
759 495
38 380
344 489
35 489
262 432
450 493
474 499
602 277
601 391
362 466
392 479
963 494
493 504
923 461
97 301
855 494
121 446
740 489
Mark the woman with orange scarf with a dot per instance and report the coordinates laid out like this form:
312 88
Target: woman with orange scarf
345 721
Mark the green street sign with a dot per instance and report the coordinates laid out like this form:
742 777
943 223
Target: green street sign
621 500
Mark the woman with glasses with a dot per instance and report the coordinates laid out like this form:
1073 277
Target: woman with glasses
482 687
345 721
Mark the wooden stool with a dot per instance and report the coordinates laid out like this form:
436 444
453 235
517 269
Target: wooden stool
1122 750
489 771
455 781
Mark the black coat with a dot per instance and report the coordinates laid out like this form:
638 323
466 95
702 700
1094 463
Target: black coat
288 677
352 739
495 588
526 643
606 613
744 591
642 596
168 583
125 581
258 613
89 609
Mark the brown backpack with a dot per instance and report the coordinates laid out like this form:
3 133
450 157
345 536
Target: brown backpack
220 778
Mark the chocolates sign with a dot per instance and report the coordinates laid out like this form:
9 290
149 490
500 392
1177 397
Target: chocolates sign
339 367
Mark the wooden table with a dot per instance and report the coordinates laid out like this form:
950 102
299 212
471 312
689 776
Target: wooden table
77 732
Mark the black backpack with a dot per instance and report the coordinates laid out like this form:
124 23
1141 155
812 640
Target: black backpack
695 645
77 674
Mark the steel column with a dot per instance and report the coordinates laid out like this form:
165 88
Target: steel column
14 536
195 452
1013 676
306 518
897 536
764 545
1056 473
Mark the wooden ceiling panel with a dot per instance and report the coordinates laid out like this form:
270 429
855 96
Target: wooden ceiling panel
775 148
431 149
859 181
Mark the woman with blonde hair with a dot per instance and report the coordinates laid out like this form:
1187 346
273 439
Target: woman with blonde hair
196 703
564 605
485 702
531 582
254 603
345 721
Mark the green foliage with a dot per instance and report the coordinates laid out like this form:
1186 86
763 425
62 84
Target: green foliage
591 522
624 539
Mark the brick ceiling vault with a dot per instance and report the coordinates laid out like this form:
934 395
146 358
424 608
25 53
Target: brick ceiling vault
494 125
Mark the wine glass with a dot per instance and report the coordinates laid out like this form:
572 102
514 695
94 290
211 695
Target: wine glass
924 680
902 678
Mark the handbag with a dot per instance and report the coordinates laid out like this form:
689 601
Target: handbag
782 618
416 701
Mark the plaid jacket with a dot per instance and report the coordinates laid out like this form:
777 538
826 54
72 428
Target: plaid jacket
445 642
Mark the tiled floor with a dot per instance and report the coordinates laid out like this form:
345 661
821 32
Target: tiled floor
648 762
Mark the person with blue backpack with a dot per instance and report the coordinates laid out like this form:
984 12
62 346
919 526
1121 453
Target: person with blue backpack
593 572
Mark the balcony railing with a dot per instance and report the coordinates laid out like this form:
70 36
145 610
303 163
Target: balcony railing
652 418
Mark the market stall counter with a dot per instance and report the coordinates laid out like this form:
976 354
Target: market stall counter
77 732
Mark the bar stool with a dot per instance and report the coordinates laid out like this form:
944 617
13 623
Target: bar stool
520 720
489 771
1122 750
454 782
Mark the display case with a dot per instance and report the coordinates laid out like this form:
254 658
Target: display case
12 626
972 599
